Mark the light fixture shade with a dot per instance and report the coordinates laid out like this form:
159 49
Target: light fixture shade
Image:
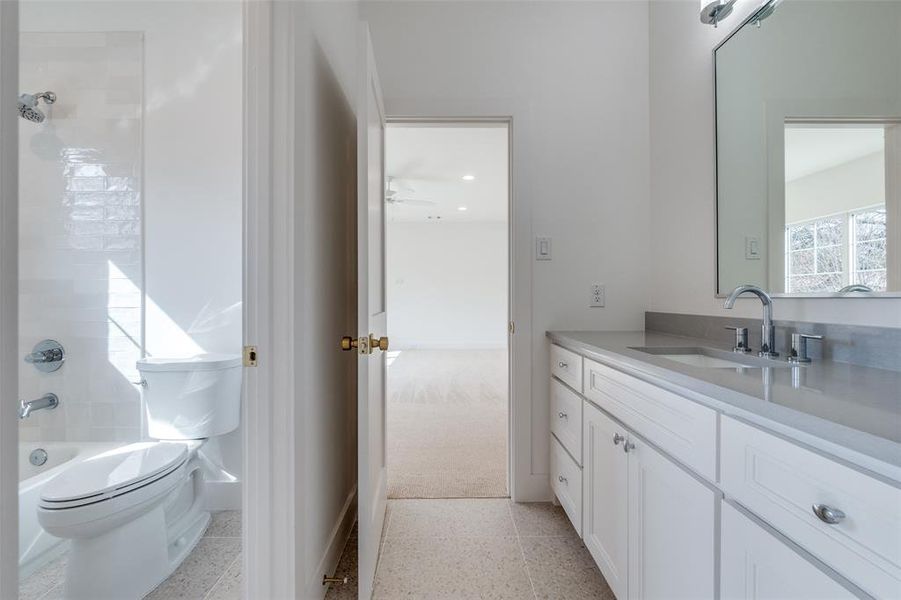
714 11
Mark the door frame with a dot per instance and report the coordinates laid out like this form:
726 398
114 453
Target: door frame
523 484
269 457
9 298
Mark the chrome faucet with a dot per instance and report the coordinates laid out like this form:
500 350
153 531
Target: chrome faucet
855 287
767 331
47 401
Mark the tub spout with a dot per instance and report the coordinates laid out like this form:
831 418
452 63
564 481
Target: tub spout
47 401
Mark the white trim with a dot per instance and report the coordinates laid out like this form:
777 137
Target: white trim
893 206
524 484
268 413
9 298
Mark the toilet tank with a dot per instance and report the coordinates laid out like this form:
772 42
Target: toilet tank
191 398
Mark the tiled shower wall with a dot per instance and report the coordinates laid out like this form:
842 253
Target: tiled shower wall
81 271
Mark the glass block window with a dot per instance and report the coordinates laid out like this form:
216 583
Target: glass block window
815 255
868 248
825 254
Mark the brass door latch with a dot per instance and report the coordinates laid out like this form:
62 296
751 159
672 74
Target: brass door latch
364 345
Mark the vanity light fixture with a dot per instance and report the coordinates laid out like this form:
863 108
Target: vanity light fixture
469 178
714 11
462 208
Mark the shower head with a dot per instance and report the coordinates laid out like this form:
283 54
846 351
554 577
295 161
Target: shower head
28 106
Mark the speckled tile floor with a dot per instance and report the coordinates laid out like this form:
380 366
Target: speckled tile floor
211 572
431 550
478 548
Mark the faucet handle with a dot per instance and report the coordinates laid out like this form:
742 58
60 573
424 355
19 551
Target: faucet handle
799 347
741 339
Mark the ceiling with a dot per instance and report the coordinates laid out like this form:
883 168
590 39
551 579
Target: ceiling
428 162
810 149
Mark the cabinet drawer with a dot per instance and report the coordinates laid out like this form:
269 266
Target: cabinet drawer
754 564
567 367
566 480
683 428
566 418
781 482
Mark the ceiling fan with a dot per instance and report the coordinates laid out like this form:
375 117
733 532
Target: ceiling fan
395 196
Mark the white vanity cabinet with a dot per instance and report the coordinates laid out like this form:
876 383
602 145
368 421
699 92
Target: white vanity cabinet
647 522
605 497
660 476
755 565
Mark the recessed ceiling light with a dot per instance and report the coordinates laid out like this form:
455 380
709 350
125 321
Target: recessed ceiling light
461 208
469 178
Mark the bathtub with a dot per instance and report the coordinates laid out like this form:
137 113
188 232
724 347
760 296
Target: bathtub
36 546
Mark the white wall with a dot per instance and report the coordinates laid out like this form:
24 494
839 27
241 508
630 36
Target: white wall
682 179
447 285
574 77
859 183
192 160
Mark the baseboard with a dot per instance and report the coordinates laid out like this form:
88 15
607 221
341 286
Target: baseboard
337 541
222 495
534 488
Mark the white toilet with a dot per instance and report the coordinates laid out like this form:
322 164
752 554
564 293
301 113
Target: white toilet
134 513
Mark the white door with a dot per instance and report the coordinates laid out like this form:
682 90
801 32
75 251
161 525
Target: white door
672 546
757 566
371 317
605 493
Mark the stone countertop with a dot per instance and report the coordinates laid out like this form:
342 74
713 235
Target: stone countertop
851 411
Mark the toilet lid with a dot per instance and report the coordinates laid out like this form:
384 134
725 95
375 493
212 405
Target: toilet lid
114 470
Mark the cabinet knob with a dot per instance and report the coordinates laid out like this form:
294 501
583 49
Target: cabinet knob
617 438
562 415
561 479
827 514
562 365
628 447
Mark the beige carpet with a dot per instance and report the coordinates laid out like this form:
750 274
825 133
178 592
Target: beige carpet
447 424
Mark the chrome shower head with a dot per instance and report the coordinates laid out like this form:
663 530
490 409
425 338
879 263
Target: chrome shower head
28 106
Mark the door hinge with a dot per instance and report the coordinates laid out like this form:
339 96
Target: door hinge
511 326
250 356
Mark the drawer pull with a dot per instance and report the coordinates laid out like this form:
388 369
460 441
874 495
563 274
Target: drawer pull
562 415
827 514
562 479
562 365
628 447
617 438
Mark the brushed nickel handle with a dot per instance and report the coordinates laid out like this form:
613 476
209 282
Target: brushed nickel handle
617 438
562 415
628 447
562 479
827 514
562 365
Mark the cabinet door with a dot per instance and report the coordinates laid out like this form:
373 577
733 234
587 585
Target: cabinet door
757 566
671 529
604 491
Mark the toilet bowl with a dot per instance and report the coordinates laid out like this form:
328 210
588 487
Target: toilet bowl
135 512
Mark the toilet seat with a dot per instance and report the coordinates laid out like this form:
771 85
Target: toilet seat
113 474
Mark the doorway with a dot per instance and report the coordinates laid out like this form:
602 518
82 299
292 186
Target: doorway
447 254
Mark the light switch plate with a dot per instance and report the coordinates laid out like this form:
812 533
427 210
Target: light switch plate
752 247
542 248
598 296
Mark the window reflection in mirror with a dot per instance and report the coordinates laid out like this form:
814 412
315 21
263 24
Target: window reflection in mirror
835 217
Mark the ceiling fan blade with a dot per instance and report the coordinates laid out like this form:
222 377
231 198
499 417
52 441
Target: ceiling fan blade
411 201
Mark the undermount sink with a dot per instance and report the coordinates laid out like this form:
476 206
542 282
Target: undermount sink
711 358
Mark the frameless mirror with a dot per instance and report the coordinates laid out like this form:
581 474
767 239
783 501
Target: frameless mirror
808 134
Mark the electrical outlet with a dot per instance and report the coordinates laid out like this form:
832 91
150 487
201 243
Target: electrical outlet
598 296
